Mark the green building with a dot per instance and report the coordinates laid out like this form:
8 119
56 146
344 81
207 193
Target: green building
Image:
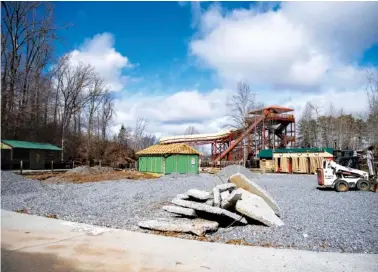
169 158
33 155
294 160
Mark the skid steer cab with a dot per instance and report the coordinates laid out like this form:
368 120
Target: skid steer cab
341 178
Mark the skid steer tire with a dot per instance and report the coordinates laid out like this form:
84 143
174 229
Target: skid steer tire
363 185
341 186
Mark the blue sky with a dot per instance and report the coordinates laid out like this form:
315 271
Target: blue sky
153 34
189 56
152 39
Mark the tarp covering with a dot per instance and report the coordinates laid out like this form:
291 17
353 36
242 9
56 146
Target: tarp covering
295 162
315 163
284 165
302 165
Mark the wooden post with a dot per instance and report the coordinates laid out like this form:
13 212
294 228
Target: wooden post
11 159
100 163
21 167
73 164
52 166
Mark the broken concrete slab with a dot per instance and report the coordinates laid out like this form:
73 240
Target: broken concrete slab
225 205
198 194
225 187
241 181
182 196
224 196
234 196
217 199
209 209
210 202
196 226
255 207
231 200
180 210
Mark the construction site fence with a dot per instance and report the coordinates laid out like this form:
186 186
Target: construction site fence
25 165
222 164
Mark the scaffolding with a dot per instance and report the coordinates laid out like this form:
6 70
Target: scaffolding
268 128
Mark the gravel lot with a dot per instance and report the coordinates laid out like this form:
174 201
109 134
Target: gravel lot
314 220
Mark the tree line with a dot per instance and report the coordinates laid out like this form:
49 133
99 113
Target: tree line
317 127
336 128
49 99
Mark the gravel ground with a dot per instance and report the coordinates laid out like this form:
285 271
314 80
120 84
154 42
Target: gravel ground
314 220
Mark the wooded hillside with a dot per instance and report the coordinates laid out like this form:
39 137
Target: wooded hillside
318 129
48 99
51 99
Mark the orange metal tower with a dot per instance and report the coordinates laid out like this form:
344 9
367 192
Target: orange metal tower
270 127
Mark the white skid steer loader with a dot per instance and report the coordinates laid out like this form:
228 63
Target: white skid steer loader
341 178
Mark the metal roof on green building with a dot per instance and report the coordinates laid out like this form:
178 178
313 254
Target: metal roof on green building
268 153
31 145
304 150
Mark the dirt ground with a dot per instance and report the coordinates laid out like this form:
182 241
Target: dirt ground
80 178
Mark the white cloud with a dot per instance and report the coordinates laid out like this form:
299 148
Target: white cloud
302 46
301 56
172 114
343 28
101 54
351 102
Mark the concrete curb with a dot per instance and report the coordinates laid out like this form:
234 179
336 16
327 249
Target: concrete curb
82 247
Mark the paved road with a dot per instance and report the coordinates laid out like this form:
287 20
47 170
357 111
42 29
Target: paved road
32 243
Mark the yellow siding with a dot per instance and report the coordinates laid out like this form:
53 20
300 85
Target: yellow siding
4 146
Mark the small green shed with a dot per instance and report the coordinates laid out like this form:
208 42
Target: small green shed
33 155
169 158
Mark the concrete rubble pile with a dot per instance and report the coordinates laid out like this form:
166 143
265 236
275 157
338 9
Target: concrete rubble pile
240 201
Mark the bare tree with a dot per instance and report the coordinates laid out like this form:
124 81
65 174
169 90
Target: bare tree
72 87
27 35
139 131
95 96
106 113
148 140
326 127
190 130
307 127
372 94
242 102
50 105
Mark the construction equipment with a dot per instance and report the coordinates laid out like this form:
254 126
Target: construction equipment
342 178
